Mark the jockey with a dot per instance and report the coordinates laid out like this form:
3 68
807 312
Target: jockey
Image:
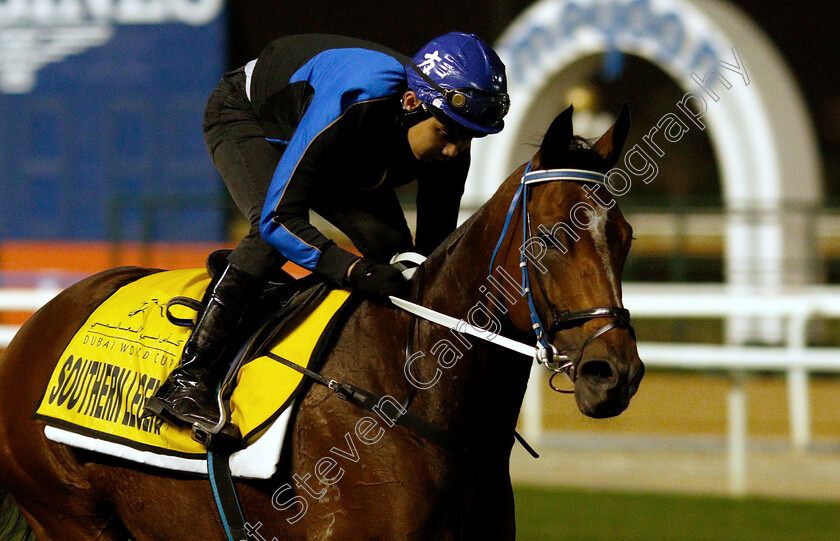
334 124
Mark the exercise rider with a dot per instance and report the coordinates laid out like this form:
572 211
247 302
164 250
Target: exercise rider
333 124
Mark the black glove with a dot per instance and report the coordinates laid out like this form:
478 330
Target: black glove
378 281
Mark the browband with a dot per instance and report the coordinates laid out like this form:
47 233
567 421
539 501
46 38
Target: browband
574 175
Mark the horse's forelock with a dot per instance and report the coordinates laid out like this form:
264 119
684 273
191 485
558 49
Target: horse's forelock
578 155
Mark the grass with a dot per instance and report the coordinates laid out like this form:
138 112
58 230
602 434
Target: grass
13 526
552 514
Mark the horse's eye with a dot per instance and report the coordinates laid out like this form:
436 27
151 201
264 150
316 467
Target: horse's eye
550 242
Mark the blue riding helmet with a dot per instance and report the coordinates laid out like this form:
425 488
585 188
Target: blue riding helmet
460 77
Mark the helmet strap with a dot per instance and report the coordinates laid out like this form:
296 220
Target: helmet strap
414 116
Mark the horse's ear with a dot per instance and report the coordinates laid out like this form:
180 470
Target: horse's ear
610 144
557 139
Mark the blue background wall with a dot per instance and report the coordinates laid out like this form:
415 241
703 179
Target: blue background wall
117 122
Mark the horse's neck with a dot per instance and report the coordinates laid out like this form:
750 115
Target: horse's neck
483 390
456 273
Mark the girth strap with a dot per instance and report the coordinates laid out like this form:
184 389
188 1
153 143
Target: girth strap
224 492
525 444
394 414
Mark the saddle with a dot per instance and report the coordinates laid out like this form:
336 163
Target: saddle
130 343
281 301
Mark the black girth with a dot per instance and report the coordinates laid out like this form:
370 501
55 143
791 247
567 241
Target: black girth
392 412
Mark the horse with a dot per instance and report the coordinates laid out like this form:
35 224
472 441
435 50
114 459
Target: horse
344 474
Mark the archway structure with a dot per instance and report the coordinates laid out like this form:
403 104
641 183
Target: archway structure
737 87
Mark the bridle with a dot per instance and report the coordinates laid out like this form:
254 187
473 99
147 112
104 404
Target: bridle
546 353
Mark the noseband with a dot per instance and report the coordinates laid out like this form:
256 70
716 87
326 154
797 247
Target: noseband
547 353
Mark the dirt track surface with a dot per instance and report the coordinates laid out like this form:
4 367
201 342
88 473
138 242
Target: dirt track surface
770 473
673 439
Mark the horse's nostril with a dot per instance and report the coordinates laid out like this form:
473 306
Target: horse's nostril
597 371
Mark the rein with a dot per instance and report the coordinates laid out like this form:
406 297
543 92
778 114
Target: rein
545 353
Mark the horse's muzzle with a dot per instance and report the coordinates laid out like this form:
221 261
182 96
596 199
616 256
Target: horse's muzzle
603 387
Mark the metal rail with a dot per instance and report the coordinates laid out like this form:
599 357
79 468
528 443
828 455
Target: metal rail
21 300
793 358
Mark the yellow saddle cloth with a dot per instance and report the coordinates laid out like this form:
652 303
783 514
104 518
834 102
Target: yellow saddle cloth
126 349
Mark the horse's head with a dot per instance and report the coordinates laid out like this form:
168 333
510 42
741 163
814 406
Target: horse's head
574 243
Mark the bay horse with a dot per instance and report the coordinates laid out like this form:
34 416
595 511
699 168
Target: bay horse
343 475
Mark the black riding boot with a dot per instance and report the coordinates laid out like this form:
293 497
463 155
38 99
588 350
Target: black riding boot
189 394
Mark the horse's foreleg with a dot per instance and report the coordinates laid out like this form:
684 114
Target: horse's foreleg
486 501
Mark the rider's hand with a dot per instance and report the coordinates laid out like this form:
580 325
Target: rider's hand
377 281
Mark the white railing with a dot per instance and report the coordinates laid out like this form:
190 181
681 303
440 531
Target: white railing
21 300
794 358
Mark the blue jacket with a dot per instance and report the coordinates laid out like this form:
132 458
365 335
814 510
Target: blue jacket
333 106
